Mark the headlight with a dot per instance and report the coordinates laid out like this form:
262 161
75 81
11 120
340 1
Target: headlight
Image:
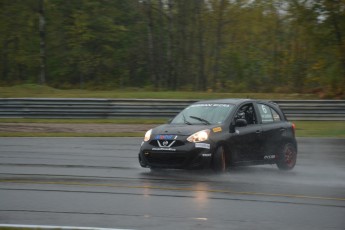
148 135
199 136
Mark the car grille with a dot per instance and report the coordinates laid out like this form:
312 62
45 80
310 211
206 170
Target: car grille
168 143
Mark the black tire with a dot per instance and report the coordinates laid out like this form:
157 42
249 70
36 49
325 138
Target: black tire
287 157
219 160
141 162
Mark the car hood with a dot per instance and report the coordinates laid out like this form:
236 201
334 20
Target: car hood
183 130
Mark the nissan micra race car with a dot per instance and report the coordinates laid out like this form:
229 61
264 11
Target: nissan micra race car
220 134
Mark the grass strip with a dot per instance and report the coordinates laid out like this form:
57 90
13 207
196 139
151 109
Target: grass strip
330 129
17 228
38 91
129 121
320 129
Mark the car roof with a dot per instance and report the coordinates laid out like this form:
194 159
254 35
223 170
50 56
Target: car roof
234 101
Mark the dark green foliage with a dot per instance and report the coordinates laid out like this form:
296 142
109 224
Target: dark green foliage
215 45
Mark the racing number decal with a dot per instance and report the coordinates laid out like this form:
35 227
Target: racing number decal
266 114
264 108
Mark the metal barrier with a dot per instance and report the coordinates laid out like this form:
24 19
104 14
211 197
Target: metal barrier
143 108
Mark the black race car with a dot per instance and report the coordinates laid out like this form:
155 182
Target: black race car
220 134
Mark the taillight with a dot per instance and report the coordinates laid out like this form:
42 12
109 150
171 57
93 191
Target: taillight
293 128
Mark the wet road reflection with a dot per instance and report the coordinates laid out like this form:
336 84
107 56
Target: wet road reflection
98 182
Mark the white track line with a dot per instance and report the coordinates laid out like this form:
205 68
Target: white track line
55 227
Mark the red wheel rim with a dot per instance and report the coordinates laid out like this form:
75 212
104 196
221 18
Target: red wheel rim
290 157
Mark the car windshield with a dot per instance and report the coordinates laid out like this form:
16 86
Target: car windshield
208 114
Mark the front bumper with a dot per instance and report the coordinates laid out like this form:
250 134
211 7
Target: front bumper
186 155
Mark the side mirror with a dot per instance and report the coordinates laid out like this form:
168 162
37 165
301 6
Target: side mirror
232 127
241 123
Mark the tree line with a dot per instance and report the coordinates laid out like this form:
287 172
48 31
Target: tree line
214 45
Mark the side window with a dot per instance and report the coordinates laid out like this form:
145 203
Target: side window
276 116
265 113
247 112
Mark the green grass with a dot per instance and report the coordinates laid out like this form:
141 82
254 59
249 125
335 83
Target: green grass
304 128
333 129
37 91
86 121
320 129
17 228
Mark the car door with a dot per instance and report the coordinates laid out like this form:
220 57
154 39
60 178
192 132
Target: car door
272 129
246 140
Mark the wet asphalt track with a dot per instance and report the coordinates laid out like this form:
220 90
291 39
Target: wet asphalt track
97 182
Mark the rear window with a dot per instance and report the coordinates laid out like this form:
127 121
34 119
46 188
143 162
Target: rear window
276 116
268 114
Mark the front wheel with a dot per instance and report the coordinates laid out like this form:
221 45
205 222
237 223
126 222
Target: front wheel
219 160
141 162
287 157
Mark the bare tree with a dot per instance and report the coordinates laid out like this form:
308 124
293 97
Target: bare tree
219 41
42 41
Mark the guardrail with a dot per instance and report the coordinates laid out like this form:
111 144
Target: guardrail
160 108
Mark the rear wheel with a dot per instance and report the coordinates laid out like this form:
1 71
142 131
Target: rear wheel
219 160
287 157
